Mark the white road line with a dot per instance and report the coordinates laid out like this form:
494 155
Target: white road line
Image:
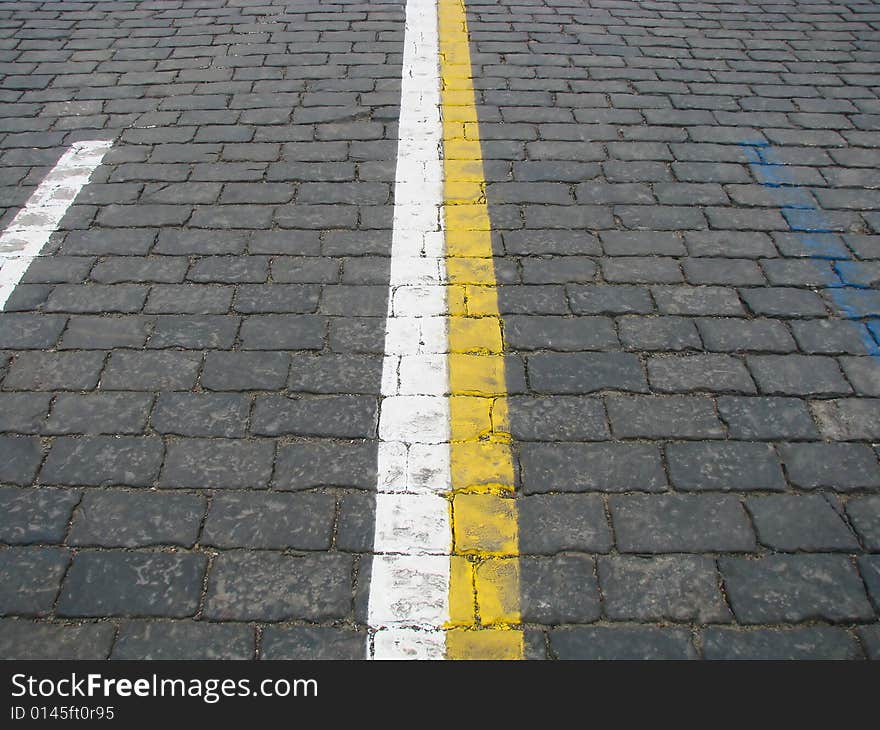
409 585
29 231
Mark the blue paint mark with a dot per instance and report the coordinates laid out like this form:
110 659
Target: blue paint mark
852 298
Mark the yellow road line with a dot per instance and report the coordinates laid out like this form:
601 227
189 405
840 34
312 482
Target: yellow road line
484 598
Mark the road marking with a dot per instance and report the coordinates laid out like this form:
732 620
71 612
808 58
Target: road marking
812 227
30 230
484 593
409 583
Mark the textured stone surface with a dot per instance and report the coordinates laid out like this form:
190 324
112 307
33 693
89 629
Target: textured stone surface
683 203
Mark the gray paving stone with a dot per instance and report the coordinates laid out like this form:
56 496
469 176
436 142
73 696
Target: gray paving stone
189 299
751 244
245 371
676 588
864 516
335 373
585 372
605 299
604 467
270 521
724 466
151 370
783 302
714 373
276 298
176 640
560 589
525 332
29 515
766 419
869 567
230 269
336 416
621 642
356 522
745 335
58 269
200 242
870 637
840 467
22 331
814 642
797 375
132 584
848 419
54 371
194 332
313 642
102 333
638 243
641 270
20 458
159 269
103 460
270 587
201 414
123 242
21 639
116 518
551 241
553 523
654 417
99 413
658 333
283 332
697 301
311 464
31 577
562 418
660 523
722 272
863 374
793 588
217 464
791 523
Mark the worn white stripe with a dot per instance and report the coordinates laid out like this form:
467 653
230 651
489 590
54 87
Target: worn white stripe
409 583
30 230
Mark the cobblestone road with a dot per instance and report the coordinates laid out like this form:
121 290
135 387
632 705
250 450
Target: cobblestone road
685 200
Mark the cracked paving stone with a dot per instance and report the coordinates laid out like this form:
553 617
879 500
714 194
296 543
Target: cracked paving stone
792 588
806 522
